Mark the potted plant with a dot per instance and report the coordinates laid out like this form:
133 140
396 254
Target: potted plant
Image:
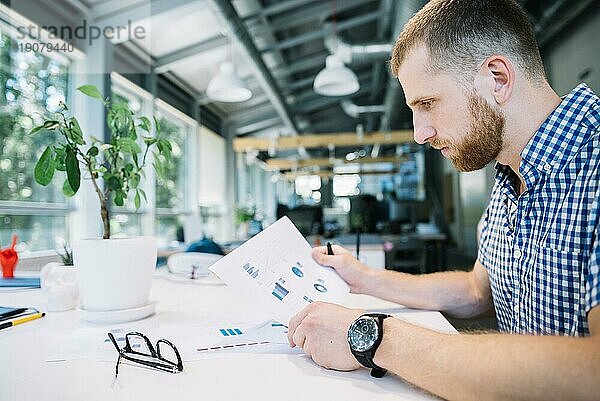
243 216
113 274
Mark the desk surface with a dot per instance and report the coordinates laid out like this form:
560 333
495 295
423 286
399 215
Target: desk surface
25 376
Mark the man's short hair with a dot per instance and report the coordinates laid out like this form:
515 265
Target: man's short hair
461 34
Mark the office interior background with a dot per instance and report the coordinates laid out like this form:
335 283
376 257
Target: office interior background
337 158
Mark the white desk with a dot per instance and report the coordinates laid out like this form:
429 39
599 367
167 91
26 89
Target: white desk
25 376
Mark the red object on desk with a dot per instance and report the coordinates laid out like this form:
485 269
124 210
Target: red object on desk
9 259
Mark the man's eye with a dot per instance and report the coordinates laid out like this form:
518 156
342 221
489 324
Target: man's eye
426 104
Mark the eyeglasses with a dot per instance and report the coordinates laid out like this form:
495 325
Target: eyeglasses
153 357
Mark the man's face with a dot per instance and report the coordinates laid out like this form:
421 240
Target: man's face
460 123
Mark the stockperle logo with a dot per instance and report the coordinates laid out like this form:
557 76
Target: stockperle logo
84 31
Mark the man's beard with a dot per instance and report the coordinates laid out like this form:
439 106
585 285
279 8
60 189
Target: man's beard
483 142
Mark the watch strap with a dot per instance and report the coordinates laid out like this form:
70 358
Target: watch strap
365 358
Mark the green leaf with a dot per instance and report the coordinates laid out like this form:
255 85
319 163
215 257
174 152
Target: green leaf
134 181
165 148
44 168
37 129
67 190
149 141
128 145
119 197
91 91
145 124
93 151
157 125
77 134
137 200
141 191
72 165
51 124
113 183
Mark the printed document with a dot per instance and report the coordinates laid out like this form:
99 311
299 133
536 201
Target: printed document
275 271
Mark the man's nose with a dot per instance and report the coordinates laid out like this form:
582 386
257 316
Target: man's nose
422 130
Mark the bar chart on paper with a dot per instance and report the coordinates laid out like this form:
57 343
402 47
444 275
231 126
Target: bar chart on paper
275 271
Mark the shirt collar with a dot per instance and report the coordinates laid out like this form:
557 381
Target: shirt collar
559 136
556 139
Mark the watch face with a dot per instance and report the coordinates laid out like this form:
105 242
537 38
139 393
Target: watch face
363 333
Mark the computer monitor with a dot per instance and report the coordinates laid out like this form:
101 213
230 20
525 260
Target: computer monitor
308 219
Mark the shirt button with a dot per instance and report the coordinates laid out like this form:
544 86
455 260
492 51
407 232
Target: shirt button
516 308
517 254
547 166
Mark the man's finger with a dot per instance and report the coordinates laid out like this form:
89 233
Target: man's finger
324 259
295 322
300 336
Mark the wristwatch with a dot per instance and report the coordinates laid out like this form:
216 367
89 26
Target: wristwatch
364 336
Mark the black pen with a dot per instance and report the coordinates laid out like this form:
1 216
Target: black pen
329 250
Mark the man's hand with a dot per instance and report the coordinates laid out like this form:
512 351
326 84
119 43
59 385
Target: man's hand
355 273
321 329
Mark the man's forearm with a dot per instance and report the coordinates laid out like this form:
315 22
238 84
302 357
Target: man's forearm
492 366
451 292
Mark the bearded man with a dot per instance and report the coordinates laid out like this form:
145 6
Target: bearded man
473 77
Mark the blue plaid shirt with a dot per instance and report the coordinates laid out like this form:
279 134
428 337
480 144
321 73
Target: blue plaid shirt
541 249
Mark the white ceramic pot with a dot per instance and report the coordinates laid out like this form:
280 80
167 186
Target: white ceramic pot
59 286
114 274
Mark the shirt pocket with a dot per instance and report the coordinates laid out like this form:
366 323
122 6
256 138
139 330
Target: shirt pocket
555 297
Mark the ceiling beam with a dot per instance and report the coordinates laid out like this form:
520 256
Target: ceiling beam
277 8
317 13
323 140
289 164
167 62
326 30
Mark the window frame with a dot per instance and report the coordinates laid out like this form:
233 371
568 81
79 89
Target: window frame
9 20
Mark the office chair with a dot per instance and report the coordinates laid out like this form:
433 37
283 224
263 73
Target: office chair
407 255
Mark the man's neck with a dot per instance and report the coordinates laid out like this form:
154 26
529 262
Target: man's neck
523 118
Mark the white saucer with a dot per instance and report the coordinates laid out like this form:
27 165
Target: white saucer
118 316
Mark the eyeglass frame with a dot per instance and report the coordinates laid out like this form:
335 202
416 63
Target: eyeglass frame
164 365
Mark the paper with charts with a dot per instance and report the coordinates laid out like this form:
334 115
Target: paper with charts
275 271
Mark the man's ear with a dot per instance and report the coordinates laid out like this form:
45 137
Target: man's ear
496 78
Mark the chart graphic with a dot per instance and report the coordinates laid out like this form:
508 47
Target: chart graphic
252 271
284 277
280 291
320 286
230 332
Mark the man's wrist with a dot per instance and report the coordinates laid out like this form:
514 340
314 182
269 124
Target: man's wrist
369 285
385 349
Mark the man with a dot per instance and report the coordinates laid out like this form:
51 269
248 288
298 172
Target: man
474 79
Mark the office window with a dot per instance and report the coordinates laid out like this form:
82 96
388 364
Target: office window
32 85
212 183
171 203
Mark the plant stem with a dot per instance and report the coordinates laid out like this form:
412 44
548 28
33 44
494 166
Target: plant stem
103 198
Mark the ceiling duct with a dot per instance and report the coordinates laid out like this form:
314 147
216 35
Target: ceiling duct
358 54
354 110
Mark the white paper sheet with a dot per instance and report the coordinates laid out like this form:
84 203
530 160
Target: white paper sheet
195 339
275 272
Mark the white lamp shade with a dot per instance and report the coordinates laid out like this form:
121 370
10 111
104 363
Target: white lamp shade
335 79
226 86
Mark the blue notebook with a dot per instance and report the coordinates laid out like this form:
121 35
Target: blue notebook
32 282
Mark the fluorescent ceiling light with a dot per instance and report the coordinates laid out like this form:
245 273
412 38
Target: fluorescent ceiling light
335 79
226 86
